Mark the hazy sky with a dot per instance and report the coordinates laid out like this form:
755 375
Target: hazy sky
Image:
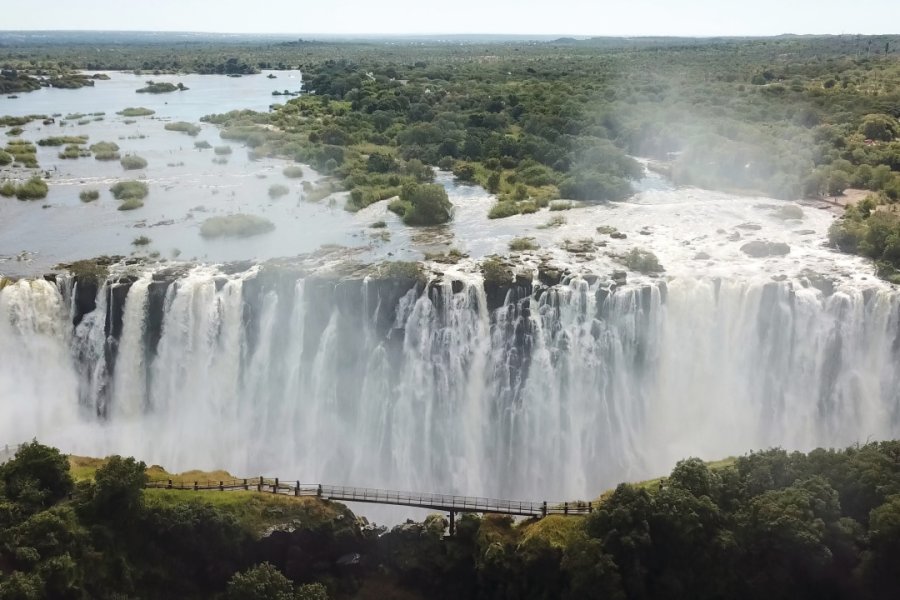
577 17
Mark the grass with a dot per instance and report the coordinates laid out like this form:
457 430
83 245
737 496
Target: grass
277 191
136 111
23 152
15 132
222 150
557 206
106 151
184 127
293 172
128 190
89 195
132 162
237 225
131 204
63 140
521 244
33 189
554 221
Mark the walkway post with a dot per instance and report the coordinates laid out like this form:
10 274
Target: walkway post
275 488
452 523
544 508
259 488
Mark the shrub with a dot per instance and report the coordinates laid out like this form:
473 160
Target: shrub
495 272
106 151
138 111
222 150
89 195
141 241
277 191
132 161
8 189
503 209
5 158
202 145
37 477
521 244
131 204
423 204
183 127
33 189
293 172
237 225
63 140
378 225
557 206
72 152
15 131
128 190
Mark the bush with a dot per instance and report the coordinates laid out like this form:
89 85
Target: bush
38 476
89 195
5 158
128 190
202 145
237 225
495 272
63 140
138 111
131 204
132 161
222 150
141 241
521 244
8 189
503 209
293 172
72 152
422 204
277 191
184 127
106 151
33 189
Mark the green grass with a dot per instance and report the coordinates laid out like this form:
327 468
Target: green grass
33 189
89 195
136 111
106 151
133 162
126 190
184 127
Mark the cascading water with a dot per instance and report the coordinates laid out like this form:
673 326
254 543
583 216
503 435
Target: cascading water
556 393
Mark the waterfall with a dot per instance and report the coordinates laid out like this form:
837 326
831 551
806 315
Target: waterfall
553 393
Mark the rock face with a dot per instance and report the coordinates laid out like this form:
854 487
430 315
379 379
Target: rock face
761 249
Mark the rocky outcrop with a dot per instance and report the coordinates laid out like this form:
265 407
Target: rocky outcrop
762 249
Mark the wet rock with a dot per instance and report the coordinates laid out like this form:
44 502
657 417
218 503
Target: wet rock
591 279
805 232
762 249
734 237
702 256
457 286
645 231
618 235
788 211
620 278
549 276
749 226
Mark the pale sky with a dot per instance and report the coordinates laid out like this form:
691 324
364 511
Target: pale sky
570 17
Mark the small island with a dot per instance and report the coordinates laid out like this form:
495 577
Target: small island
162 88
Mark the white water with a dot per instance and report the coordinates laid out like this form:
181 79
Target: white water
557 397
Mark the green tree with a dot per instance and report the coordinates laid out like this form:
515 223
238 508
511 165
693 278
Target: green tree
37 477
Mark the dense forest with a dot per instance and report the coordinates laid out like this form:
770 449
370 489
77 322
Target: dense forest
768 525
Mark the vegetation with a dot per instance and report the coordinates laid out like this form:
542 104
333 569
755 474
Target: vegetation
521 244
5 158
278 190
131 204
63 140
73 151
138 111
132 162
184 127
422 204
161 88
868 230
202 145
130 190
237 225
142 240
106 151
222 150
293 172
33 189
89 195
770 524
23 153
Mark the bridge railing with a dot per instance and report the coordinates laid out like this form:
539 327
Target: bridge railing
444 502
